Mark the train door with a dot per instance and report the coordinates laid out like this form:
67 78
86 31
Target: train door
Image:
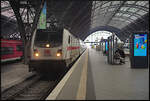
19 50
71 48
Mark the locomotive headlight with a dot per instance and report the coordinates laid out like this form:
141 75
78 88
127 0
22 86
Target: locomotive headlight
58 54
36 54
47 45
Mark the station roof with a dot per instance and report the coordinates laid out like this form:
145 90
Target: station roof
119 15
84 17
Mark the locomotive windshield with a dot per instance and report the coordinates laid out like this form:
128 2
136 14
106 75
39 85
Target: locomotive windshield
54 38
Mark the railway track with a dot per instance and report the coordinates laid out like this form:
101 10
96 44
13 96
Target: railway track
33 88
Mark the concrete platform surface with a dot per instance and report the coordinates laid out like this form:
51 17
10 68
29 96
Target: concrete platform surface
73 85
115 82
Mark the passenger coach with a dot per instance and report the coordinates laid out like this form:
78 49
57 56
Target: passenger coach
11 50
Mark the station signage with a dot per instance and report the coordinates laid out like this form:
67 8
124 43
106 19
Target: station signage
139 50
106 45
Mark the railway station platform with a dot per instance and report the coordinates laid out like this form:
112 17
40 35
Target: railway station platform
92 78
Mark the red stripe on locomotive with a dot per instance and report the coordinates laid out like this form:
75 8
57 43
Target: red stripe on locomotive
72 48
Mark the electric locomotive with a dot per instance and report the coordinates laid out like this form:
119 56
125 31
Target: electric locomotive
53 48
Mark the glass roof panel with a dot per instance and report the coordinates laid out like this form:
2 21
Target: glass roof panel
133 9
141 3
111 9
147 5
21 10
115 2
121 19
8 13
127 21
124 8
106 4
98 4
126 15
118 14
130 2
118 19
141 12
118 23
133 17
4 4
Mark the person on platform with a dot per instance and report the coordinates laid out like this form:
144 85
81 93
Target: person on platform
119 54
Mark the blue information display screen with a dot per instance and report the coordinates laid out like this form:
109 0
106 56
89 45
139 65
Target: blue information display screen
106 46
140 45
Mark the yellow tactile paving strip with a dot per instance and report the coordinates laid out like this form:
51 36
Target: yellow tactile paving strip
81 94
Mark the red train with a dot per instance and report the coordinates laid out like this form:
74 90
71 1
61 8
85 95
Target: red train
11 50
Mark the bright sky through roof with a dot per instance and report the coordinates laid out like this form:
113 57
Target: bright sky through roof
96 36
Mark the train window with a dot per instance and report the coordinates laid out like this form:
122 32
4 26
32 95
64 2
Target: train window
2 50
19 48
10 50
53 38
69 39
6 50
